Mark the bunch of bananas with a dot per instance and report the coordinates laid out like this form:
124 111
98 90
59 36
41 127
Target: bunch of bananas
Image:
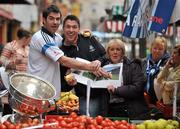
68 102
65 96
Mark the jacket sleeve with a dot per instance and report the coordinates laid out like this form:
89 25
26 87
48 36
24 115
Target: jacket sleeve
100 49
134 83
163 75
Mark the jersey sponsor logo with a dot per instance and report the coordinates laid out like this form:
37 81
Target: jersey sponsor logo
91 48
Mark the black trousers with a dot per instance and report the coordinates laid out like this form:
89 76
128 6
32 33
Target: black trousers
7 109
117 110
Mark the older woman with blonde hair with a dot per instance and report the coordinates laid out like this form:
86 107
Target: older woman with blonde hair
127 99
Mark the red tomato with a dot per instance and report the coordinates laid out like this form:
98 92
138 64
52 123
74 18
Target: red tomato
18 127
73 115
81 119
60 118
121 126
91 127
11 126
132 126
99 119
124 122
2 126
75 124
82 127
69 120
62 123
117 122
104 123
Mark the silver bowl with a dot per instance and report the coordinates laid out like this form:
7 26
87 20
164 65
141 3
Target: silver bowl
31 95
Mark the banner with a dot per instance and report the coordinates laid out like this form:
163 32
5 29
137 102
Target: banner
148 15
176 14
161 14
137 20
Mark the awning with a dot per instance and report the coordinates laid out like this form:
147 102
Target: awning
14 2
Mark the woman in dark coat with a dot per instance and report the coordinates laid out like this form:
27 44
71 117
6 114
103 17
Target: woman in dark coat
126 100
151 67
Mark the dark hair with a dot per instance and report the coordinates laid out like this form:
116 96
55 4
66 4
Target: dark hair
49 9
23 33
72 18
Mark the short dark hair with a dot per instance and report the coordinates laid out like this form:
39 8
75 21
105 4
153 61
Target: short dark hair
52 8
23 33
73 18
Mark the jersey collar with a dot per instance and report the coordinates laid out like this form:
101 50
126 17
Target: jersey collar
47 32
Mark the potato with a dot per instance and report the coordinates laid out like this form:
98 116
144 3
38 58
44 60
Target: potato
69 77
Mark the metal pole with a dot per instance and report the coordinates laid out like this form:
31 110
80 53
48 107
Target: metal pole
174 100
142 48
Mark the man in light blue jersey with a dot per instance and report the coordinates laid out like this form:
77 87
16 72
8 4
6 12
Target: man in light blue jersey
45 55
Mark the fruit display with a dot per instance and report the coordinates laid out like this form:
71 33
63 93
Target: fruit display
73 121
69 77
23 124
68 102
159 124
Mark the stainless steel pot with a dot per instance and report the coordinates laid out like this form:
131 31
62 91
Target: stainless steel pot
31 95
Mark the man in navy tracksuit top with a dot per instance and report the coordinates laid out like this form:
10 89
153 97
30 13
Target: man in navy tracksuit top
86 47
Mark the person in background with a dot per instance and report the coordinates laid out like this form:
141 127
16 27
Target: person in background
45 54
14 58
127 100
151 66
86 47
168 76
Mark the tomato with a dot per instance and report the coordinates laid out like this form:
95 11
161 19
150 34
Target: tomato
104 123
91 127
60 118
89 120
73 115
18 127
99 119
132 126
98 127
81 119
124 122
117 122
75 124
69 120
62 123
11 126
121 126
81 127
2 126
75 128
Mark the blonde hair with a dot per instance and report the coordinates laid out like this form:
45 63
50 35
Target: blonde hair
116 41
159 40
